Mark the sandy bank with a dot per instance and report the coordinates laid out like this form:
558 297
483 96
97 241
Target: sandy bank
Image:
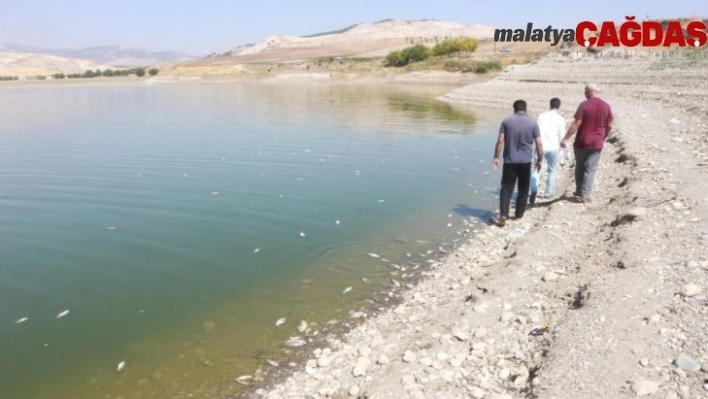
621 282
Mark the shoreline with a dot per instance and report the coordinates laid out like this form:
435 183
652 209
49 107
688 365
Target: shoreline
463 330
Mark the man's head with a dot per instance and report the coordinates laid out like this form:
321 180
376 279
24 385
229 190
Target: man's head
519 106
555 103
592 90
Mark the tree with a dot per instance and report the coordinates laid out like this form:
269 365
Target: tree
140 72
89 74
153 71
108 73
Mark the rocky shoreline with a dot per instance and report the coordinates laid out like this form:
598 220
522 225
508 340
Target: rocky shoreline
604 300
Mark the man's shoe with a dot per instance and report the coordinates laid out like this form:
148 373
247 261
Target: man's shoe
586 200
501 222
532 198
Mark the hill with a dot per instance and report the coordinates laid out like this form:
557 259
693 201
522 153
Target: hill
109 55
361 40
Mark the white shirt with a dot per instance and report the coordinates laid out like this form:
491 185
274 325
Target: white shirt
552 127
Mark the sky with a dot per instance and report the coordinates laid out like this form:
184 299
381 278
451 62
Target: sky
207 26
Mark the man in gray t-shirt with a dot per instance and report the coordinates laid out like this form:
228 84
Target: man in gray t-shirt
517 135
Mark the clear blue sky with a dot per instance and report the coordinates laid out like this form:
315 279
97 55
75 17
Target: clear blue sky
202 27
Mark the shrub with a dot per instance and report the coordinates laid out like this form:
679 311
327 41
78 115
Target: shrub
450 46
409 54
472 66
140 72
153 71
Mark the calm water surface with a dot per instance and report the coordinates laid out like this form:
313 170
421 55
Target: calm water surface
176 223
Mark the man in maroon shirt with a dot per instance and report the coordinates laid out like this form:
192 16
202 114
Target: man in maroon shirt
593 122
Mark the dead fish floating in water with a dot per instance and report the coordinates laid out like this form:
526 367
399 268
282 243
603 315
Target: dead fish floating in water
294 342
62 314
22 320
273 363
348 289
121 366
280 321
302 234
373 255
257 250
242 379
301 325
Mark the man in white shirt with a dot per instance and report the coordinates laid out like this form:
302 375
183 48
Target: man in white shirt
552 127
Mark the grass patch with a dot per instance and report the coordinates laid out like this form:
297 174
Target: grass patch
472 66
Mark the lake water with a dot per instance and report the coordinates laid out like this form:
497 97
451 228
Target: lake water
177 222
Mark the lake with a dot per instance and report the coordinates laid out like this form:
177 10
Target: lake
177 222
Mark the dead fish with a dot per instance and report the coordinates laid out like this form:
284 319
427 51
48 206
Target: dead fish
336 222
364 279
294 342
381 200
121 366
215 193
346 290
242 379
62 314
257 250
302 234
273 363
373 255
301 325
22 320
395 266
280 321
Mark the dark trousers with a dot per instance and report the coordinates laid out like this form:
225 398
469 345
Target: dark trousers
510 173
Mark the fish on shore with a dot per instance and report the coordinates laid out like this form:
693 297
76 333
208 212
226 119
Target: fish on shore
373 255
62 314
280 321
121 366
348 289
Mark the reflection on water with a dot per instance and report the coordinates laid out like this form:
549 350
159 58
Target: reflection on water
167 219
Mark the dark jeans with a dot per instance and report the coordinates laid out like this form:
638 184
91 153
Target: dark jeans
510 173
586 162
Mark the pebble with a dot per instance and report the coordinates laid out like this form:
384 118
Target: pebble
506 316
409 357
477 393
690 290
550 276
686 363
324 361
637 212
645 388
354 390
462 336
644 362
426 361
504 374
359 369
383 360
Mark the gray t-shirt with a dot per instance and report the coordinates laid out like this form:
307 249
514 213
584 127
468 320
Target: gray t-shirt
519 132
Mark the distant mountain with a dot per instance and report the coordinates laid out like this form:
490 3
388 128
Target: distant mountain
363 40
25 63
111 55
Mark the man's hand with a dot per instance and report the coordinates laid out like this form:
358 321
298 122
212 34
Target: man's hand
495 164
564 143
538 165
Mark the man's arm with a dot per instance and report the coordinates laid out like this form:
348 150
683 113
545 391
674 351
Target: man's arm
608 129
539 152
497 150
571 131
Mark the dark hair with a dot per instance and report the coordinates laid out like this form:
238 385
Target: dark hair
519 105
555 103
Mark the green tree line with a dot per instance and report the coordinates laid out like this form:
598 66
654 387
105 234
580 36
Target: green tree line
140 72
420 52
